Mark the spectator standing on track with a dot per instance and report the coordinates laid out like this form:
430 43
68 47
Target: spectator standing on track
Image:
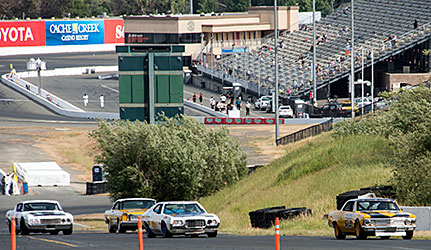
415 24
223 98
194 97
238 104
201 97
7 183
212 102
85 97
102 101
247 108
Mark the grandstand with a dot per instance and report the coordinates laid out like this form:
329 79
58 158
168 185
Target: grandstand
384 26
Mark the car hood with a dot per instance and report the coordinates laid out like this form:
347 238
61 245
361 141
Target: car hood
385 214
192 215
46 213
134 211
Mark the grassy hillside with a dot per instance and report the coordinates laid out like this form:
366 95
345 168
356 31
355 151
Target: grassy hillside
311 174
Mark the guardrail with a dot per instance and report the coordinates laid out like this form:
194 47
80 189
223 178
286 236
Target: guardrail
305 133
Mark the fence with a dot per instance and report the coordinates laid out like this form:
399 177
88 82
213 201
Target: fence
305 133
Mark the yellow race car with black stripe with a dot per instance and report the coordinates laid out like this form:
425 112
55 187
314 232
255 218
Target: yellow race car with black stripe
372 217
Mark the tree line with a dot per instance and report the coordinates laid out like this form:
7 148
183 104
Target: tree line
22 9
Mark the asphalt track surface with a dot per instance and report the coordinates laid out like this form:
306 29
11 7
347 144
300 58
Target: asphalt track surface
106 241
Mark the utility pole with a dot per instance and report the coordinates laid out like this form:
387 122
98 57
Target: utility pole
277 125
352 66
191 7
362 86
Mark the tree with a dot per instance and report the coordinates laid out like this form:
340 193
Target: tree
54 8
237 5
208 6
177 159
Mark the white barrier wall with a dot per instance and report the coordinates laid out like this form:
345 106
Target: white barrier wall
423 217
42 174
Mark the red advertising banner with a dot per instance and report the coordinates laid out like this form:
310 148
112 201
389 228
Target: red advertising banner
114 31
23 33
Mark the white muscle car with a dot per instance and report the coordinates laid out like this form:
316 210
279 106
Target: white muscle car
40 216
180 217
124 213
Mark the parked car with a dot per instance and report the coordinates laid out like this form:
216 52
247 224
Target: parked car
372 217
331 109
44 216
285 111
180 217
124 213
263 102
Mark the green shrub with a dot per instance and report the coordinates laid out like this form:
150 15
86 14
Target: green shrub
176 160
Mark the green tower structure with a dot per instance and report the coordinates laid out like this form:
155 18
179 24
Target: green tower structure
151 81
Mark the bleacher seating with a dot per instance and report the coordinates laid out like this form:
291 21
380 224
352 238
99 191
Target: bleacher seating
385 26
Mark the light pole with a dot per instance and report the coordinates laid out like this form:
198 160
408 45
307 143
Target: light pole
372 79
314 55
277 132
191 7
352 66
362 84
37 65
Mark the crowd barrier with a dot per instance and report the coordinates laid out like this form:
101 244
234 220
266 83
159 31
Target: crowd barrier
305 133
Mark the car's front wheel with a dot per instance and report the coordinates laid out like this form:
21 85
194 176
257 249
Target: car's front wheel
409 235
359 232
165 231
68 231
111 228
212 234
24 228
339 235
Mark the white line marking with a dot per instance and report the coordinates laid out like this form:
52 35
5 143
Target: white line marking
13 100
113 90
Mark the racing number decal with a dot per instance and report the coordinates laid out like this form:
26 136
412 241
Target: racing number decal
348 220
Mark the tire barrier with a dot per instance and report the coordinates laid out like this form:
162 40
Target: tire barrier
305 133
380 191
98 187
265 218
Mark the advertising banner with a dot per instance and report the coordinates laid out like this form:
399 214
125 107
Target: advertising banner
24 33
74 32
114 31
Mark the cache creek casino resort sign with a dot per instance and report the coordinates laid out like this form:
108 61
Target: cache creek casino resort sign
61 32
74 32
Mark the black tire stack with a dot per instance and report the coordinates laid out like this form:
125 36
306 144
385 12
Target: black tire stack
265 218
379 191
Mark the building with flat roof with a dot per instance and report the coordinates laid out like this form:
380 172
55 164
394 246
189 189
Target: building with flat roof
211 35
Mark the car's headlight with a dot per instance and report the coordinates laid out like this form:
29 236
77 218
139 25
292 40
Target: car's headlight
212 222
177 223
368 222
34 221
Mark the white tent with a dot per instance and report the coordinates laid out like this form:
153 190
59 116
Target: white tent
42 174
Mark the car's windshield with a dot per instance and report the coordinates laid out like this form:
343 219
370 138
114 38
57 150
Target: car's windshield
377 205
44 206
183 209
266 99
137 204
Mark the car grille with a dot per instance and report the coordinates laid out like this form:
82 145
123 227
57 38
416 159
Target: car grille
50 221
195 223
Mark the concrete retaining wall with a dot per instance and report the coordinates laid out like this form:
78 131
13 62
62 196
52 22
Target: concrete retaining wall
204 109
423 217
